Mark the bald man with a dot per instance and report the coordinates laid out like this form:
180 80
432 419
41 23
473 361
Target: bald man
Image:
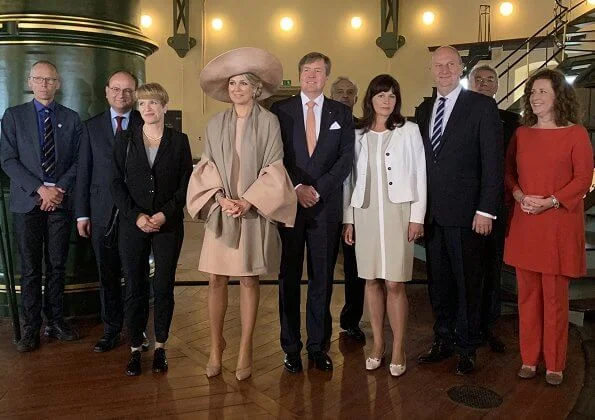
462 137
39 152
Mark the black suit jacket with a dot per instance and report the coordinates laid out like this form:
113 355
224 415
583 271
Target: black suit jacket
467 172
510 122
161 188
20 154
94 175
331 161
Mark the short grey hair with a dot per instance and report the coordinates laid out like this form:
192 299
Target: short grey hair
480 67
340 79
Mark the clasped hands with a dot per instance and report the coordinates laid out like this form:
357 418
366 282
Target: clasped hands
150 224
533 204
50 197
307 195
234 208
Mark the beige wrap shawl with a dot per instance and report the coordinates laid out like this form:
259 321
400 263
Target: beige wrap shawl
263 182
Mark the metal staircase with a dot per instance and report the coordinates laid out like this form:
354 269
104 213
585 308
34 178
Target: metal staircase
569 46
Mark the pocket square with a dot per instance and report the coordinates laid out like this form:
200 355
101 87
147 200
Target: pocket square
335 126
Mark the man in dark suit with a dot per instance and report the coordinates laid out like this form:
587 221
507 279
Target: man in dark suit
39 151
345 91
484 79
94 204
318 139
464 156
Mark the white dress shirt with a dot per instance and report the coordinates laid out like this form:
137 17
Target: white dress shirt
125 121
449 104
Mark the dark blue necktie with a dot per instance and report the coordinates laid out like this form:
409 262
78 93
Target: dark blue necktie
48 148
437 130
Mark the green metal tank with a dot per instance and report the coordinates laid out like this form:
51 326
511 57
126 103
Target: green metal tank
87 40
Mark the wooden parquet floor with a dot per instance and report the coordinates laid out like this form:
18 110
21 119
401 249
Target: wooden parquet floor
68 380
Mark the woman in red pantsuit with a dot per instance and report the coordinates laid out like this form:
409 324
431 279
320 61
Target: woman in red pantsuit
549 168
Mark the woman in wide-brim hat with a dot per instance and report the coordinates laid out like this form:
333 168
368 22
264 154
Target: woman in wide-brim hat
242 190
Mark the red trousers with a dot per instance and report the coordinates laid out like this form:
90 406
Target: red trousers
543 318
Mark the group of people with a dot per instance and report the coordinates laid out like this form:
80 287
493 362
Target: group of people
309 174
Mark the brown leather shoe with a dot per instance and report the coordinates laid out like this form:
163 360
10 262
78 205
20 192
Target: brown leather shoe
554 378
527 373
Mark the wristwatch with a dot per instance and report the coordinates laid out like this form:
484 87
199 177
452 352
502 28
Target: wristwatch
555 202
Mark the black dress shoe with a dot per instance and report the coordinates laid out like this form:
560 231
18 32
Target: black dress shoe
356 334
159 361
496 345
106 343
29 341
293 362
133 366
145 345
439 352
322 361
466 365
62 331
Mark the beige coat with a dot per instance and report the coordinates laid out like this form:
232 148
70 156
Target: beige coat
249 245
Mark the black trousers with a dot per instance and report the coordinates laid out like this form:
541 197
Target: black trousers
109 269
352 311
42 235
455 285
135 247
492 265
321 238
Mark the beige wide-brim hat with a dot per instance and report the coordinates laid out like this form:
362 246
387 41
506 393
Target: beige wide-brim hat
214 77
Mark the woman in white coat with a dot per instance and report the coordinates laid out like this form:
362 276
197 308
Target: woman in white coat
385 205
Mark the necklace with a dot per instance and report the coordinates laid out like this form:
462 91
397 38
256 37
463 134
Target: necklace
152 139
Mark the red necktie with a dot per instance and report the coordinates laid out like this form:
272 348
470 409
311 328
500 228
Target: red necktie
119 120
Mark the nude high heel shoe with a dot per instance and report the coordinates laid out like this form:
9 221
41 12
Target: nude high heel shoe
214 370
396 369
243 373
373 363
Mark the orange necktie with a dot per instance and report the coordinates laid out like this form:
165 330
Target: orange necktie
310 127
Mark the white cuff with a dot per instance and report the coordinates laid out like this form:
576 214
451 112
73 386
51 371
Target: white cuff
481 213
81 219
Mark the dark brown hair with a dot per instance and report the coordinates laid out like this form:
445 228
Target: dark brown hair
566 105
381 83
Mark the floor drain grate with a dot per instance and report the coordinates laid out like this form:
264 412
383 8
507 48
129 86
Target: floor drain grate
475 396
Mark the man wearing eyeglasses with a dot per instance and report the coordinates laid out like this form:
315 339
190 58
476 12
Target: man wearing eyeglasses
484 79
38 151
94 203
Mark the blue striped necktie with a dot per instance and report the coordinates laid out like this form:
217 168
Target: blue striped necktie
437 130
48 149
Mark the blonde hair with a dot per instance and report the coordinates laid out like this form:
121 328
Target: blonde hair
255 82
152 91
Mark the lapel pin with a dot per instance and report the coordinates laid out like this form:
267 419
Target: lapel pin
59 125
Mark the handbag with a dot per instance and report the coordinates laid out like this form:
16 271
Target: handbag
110 239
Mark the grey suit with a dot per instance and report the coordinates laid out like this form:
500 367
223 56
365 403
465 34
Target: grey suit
38 232
94 200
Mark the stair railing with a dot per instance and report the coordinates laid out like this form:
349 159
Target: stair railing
560 21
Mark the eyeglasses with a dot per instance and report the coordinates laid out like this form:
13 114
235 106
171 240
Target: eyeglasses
117 91
39 80
487 80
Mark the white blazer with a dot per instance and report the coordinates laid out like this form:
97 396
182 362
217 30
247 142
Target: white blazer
405 166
